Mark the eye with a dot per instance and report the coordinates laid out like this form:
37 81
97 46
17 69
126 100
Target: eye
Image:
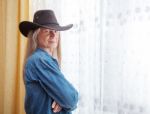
46 31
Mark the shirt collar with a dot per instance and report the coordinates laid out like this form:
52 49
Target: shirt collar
42 50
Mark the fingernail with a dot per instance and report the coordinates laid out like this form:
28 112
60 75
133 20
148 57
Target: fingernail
52 106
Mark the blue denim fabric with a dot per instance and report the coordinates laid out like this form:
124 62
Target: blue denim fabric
44 83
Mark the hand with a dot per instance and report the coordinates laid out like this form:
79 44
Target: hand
56 107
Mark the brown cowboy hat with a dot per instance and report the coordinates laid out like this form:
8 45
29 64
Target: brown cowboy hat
42 18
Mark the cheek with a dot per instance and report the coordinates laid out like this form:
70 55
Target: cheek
57 41
41 41
57 38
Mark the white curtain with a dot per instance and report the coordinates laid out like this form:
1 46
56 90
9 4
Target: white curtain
126 56
106 54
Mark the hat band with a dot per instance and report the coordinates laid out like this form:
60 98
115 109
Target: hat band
48 23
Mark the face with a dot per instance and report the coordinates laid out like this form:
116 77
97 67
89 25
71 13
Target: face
47 38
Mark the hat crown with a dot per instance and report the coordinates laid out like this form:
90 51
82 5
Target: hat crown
45 17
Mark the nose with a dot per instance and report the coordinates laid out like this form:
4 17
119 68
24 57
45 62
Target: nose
52 34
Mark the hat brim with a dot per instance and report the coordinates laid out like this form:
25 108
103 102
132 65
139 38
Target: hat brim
27 26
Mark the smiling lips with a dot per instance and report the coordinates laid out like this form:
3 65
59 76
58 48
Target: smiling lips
52 41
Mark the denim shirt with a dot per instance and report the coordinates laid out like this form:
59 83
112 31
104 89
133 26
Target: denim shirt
45 83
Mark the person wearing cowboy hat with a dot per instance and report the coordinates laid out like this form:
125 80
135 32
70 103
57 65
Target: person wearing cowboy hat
47 89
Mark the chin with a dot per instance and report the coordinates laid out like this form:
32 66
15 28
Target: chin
52 46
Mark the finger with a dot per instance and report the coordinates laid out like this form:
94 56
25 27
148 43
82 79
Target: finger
57 108
54 104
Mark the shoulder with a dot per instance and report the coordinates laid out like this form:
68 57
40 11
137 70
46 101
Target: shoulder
38 58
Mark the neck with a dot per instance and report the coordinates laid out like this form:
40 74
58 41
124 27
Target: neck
49 51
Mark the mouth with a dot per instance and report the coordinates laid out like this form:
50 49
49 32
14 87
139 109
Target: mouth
52 41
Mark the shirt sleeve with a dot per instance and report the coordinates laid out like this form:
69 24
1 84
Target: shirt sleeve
55 84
